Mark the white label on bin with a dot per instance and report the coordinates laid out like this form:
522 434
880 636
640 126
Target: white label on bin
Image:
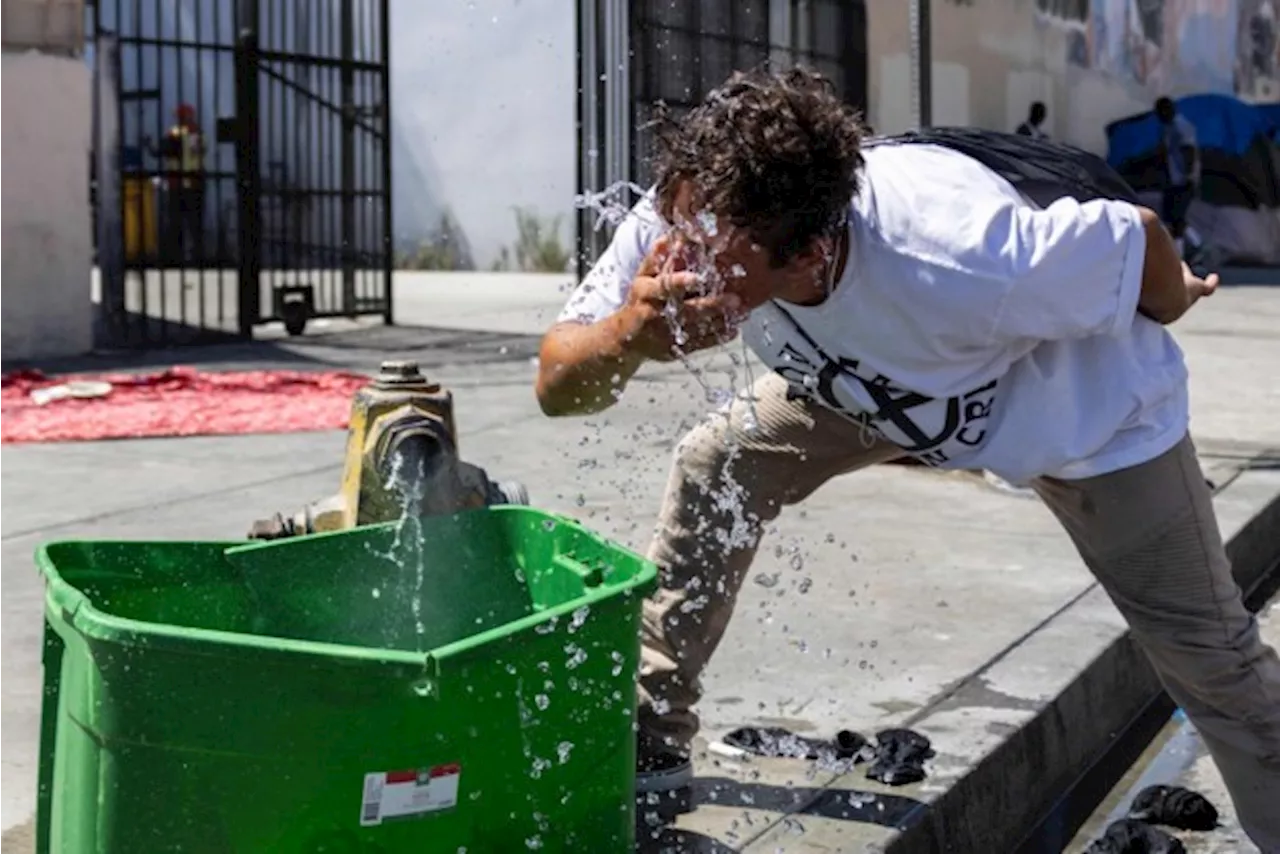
400 794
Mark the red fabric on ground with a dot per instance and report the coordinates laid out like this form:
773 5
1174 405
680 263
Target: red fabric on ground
178 402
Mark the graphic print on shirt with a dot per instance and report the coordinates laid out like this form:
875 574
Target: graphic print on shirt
936 431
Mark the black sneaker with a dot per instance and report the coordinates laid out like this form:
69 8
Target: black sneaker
662 770
664 790
664 785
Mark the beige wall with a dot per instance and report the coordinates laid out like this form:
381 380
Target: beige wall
46 246
992 58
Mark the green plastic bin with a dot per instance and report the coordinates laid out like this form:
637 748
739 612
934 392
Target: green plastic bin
289 697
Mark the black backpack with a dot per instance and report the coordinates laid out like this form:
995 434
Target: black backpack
1043 170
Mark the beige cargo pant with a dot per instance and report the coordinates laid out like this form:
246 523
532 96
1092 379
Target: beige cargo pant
1147 533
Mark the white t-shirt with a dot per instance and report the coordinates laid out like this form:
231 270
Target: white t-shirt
970 327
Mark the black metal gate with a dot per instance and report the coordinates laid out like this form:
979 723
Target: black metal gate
682 50
634 54
278 207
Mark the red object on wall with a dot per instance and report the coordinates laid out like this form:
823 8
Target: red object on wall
178 402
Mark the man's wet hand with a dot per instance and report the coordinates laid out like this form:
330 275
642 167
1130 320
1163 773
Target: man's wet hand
669 312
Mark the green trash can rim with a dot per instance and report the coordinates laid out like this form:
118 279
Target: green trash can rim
73 607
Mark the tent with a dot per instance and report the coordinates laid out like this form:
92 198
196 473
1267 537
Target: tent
1238 209
1271 115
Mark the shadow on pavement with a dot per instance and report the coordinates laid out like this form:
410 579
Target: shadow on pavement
361 349
790 805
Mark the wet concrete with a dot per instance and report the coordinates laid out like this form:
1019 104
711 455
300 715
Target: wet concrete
913 591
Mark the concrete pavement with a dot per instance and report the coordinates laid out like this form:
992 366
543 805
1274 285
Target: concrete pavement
895 586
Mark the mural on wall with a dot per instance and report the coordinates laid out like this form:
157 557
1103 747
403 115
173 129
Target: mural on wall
1201 55
1166 45
1258 50
1174 46
1072 18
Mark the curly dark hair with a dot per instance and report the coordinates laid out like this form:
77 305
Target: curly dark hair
776 153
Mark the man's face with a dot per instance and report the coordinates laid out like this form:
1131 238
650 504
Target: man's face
730 260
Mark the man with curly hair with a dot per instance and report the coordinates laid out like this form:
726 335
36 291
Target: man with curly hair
972 299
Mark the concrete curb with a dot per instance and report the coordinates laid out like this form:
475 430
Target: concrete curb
1013 737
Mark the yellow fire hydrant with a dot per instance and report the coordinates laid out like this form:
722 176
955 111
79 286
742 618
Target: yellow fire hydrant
401 459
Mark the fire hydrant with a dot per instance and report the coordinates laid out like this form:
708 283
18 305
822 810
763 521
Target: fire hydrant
401 459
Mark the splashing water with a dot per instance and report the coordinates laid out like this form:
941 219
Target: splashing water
734 528
740 532
612 209
410 483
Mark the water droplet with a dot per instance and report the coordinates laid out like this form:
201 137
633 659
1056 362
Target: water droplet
576 654
765 580
719 396
707 221
542 701
804 585
562 750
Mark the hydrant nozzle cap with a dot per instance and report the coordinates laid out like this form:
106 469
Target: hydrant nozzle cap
399 373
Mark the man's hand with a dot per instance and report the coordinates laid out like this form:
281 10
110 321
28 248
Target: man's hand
1164 298
668 311
1196 287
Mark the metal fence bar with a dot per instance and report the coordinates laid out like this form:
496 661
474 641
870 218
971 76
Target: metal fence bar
248 178
388 246
348 154
921 63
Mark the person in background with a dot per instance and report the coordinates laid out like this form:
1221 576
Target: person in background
1032 127
1179 154
181 154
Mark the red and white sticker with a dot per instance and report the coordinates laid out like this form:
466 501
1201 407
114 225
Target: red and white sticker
402 794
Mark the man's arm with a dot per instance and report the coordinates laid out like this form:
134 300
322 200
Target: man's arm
583 367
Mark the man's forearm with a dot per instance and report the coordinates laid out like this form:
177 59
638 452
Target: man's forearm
1164 294
582 368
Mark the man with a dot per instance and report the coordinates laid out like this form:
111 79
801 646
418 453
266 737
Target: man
1035 118
909 299
1179 156
181 154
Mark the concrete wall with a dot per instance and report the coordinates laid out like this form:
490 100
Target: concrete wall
1090 61
47 245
